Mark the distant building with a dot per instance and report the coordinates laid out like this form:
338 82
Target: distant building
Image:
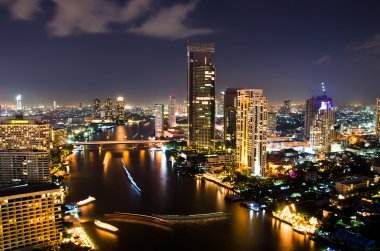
346 186
159 120
18 102
285 108
25 134
229 113
378 117
120 108
220 111
172 112
322 126
251 130
108 109
59 137
30 216
272 122
24 166
201 94
312 108
96 108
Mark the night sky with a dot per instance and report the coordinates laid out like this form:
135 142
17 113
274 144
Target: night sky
72 51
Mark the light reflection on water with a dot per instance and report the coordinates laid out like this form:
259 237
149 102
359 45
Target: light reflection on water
100 174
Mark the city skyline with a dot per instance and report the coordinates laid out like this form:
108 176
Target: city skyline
290 45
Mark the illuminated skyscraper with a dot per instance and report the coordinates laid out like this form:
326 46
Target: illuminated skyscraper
220 112
172 112
159 120
108 108
96 108
201 94
229 114
251 130
322 124
378 117
120 108
18 102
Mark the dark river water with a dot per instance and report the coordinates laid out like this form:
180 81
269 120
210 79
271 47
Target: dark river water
100 173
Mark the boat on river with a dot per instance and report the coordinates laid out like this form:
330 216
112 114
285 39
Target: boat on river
86 201
105 226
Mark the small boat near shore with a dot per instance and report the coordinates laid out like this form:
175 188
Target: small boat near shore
86 201
105 226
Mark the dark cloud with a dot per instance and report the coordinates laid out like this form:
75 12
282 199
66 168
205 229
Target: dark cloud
22 9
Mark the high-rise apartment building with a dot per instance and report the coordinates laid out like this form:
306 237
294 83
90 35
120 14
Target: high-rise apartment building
108 109
378 117
96 108
312 107
272 122
120 108
322 125
201 94
159 120
251 130
172 112
229 114
30 216
24 166
25 134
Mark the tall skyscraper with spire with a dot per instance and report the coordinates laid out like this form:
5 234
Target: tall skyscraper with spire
201 94
251 130
319 122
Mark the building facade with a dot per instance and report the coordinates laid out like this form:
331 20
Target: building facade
30 216
312 108
120 108
108 109
201 94
158 120
272 122
172 112
25 134
96 108
251 130
24 166
322 127
229 113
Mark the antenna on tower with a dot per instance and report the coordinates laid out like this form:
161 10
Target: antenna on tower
323 88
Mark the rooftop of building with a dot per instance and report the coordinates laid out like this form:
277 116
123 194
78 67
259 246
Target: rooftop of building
354 180
22 150
26 188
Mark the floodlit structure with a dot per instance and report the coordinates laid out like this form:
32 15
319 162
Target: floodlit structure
120 108
172 112
24 166
108 109
251 130
18 102
25 134
30 216
201 94
159 120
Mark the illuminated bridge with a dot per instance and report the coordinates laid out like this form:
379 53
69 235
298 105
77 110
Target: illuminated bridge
113 142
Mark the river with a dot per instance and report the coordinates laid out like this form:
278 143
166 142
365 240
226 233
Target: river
100 173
